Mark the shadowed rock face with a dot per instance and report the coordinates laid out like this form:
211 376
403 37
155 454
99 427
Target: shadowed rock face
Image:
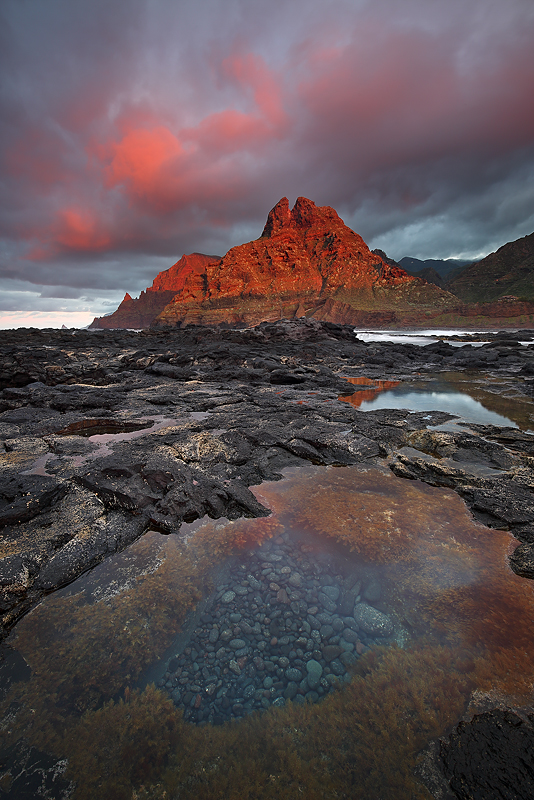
307 262
506 274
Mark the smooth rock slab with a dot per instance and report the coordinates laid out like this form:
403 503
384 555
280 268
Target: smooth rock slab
372 621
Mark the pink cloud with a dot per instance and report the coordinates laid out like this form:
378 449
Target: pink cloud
140 159
152 147
74 229
390 95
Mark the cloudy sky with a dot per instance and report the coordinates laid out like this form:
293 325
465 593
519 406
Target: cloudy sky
133 131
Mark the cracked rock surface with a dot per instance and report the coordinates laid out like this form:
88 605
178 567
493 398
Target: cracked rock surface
106 434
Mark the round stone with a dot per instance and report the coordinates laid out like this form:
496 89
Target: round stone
331 651
332 592
228 596
315 673
293 674
290 690
337 667
372 621
326 602
237 644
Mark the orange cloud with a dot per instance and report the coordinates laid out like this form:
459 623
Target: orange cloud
74 229
79 230
141 157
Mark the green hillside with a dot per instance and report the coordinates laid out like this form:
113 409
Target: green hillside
509 272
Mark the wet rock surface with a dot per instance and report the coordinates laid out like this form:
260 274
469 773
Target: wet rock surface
106 434
491 757
285 625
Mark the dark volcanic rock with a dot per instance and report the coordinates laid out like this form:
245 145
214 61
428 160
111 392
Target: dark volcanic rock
491 757
114 432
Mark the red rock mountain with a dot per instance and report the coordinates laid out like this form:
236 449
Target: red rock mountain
142 312
306 262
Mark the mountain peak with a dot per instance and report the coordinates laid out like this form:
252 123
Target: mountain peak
307 262
303 216
279 218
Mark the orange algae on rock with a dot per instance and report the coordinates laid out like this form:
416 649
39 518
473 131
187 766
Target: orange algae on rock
445 580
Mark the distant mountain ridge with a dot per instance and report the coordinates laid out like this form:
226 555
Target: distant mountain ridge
142 312
442 266
508 272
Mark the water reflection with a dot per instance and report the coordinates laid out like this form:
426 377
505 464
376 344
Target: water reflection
461 405
461 621
375 388
469 396
422 337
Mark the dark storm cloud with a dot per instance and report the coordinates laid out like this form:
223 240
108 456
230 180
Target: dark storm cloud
132 132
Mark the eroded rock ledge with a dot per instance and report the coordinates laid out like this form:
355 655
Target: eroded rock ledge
196 416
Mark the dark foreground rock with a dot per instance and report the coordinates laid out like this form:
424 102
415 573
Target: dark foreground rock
106 434
491 757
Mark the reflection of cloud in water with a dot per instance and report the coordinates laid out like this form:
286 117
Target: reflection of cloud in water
419 337
452 402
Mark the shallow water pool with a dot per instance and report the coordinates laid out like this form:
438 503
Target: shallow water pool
471 397
414 600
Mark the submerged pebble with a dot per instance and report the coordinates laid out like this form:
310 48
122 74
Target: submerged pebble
276 631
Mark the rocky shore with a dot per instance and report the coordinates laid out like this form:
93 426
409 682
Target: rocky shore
107 434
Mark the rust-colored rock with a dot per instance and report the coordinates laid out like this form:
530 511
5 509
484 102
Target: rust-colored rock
307 262
189 271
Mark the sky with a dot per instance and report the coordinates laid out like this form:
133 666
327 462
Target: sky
134 131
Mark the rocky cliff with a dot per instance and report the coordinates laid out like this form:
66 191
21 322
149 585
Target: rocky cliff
307 262
189 271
